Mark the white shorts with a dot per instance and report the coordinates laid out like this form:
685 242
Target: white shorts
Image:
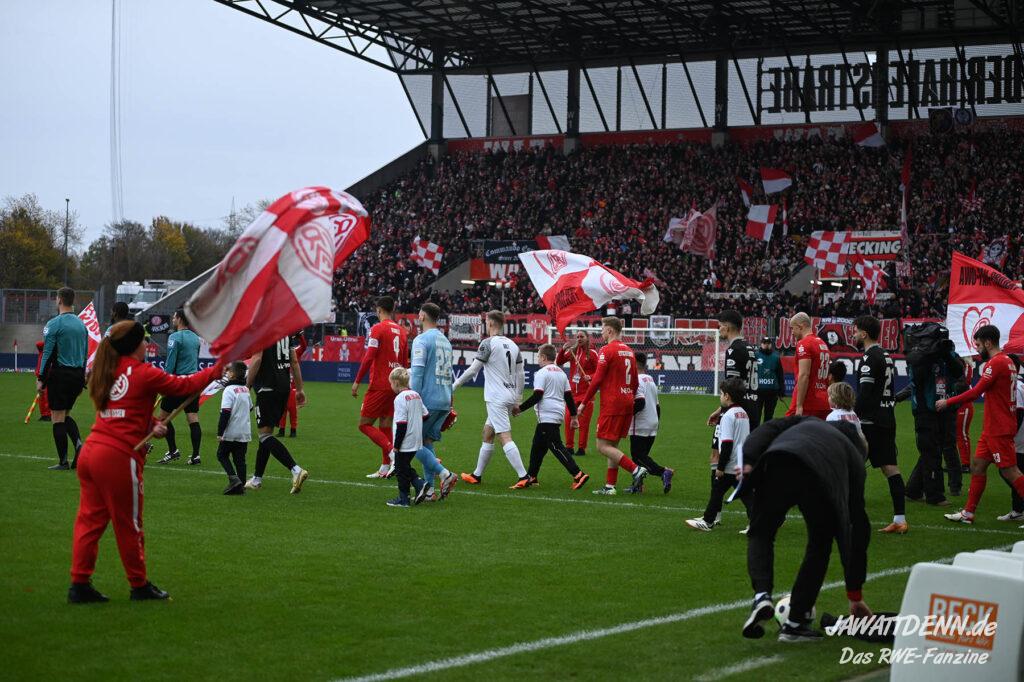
499 417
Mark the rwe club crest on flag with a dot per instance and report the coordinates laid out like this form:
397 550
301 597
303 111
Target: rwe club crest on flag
980 295
92 325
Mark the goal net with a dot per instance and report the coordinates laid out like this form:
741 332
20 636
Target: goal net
682 361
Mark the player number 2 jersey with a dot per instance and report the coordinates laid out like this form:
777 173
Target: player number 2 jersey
616 378
503 365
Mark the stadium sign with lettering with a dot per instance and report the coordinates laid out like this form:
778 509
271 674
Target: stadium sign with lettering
988 79
508 250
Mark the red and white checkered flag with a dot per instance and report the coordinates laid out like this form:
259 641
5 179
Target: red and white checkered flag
427 254
828 251
870 277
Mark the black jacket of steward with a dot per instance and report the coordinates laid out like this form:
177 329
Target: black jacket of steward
838 464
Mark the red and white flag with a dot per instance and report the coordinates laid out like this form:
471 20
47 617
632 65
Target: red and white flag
972 203
828 251
980 295
571 285
867 135
676 227
761 221
427 254
870 278
277 278
995 252
701 233
92 325
746 191
559 242
774 180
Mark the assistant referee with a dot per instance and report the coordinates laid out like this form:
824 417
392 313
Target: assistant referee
62 373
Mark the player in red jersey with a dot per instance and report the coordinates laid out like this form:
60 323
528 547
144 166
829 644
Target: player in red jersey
123 387
964 416
616 378
582 361
810 395
998 384
386 349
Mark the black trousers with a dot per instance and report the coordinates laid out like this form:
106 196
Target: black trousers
640 452
719 487
765 406
405 473
231 455
936 441
549 437
787 483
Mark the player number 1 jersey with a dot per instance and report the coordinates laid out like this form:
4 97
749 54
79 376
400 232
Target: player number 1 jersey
503 365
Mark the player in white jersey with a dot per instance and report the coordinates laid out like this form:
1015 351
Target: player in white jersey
551 397
504 377
734 429
644 429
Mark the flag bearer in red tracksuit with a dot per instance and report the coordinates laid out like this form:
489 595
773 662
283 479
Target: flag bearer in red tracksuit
582 361
299 345
123 387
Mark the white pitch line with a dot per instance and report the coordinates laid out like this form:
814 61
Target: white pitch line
588 635
737 668
959 528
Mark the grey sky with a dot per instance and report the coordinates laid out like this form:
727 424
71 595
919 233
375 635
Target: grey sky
215 104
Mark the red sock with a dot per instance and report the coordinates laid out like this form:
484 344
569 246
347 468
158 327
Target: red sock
975 491
611 476
379 439
386 435
1018 485
627 464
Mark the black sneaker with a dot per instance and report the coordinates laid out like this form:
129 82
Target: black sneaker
799 633
46 418
147 592
763 610
194 460
85 593
235 486
581 453
280 433
169 457
421 493
292 434
62 466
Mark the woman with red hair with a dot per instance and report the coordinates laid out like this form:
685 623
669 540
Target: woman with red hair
123 387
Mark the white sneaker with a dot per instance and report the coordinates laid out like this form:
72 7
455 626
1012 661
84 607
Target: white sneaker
961 517
253 484
607 490
718 520
379 473
1012 516
698 524
448 483
745 530
297 481
389 472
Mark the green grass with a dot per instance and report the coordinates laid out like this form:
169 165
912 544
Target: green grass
331 583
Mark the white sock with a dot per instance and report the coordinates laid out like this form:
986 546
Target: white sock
512 453
445 473
296 469
486 450
257 479
899 518
759 595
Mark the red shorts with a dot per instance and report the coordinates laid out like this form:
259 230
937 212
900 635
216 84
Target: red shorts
378 403
808 412
998 449
613 426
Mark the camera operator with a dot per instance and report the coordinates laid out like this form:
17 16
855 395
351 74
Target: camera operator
936 373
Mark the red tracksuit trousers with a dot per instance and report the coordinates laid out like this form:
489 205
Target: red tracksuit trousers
111 492
584 416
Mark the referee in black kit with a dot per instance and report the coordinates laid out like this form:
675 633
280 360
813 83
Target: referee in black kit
817 467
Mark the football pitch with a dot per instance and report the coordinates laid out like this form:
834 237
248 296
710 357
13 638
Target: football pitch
544 583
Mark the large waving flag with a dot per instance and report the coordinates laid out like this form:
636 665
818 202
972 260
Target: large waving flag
92 325
980 295
277 278
571 285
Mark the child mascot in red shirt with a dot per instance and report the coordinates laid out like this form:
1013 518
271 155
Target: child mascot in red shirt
123 387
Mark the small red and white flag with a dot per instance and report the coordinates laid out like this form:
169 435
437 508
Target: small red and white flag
746 191
761 221
870 277
774 180
828 251
972 202
427 254
92 325
571 285
701 233
676 227
278 276
980 295
559 242
867 135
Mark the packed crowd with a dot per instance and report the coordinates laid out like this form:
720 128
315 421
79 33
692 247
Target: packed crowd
616 201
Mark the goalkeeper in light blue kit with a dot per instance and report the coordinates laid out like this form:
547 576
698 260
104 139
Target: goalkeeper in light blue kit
432 379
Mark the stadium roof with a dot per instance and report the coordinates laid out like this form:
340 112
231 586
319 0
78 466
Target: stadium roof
402 35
